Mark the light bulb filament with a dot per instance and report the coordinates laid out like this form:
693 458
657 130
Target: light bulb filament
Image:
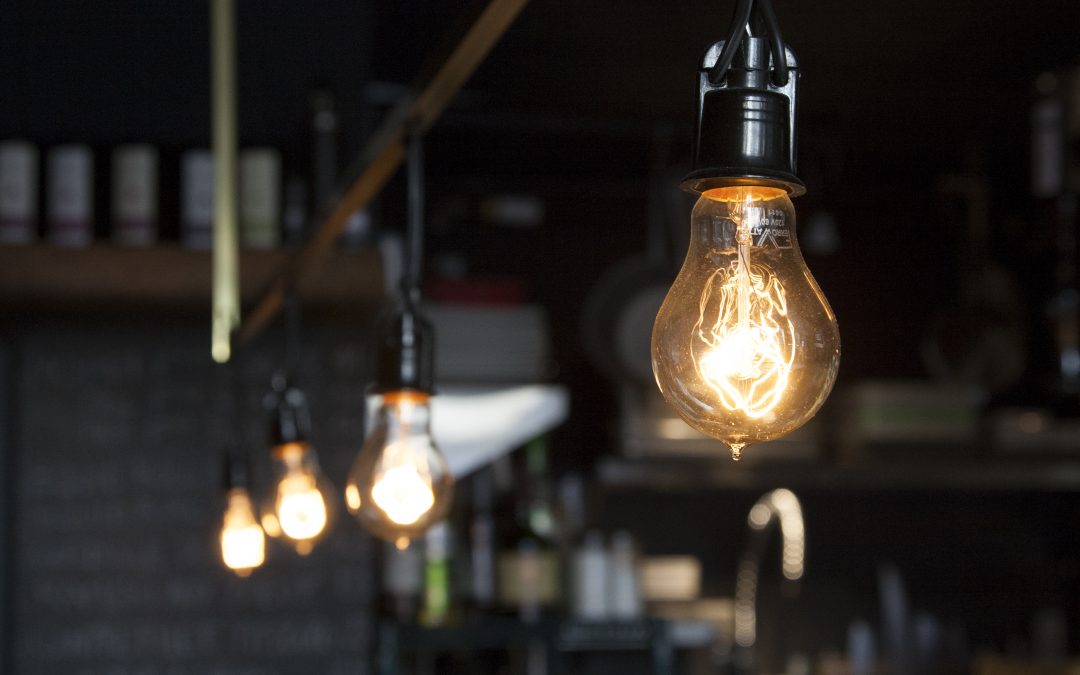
744 340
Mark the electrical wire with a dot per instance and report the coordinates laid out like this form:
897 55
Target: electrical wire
731 46
292 331
780 73
415 216
740 24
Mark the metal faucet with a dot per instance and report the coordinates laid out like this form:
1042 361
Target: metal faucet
779 506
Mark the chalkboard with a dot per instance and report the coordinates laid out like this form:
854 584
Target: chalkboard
118 504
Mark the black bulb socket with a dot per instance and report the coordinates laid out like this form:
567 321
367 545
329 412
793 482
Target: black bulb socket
405 356
290 420
746 123
236 474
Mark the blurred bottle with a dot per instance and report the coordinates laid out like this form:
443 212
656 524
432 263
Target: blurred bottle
135 195
482 542
437 544
260 198
529 562
402 581
197 199
18 192
70 195
589 579
624 584
570 496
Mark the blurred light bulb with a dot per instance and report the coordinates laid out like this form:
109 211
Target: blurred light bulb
297 510
243 546
400 483
745 347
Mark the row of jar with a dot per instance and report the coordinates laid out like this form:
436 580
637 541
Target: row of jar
134 217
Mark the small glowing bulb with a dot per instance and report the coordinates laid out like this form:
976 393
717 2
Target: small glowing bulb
400 484
297 509
745 347
301 508
243 546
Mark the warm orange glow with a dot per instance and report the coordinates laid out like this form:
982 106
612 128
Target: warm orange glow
400 484
403 490
299 509
743 338
243 546
745 347
743 193
290 452
405 396
744 351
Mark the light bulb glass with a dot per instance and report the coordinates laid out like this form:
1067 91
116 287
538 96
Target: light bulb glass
400 483
298 508
243 546
745 347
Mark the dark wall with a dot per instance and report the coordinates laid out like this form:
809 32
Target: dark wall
120 435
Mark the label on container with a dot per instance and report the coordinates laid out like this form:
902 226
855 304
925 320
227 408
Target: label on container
527 577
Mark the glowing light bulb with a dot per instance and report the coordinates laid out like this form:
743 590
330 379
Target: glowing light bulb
745 347
297 510
243 546
400 484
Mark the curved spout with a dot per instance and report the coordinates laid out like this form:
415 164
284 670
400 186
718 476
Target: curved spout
779 506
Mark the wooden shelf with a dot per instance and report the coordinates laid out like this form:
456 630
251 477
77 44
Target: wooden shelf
42 277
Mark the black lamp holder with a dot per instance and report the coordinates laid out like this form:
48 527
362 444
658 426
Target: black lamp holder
405 355
237 472
747 89
290 418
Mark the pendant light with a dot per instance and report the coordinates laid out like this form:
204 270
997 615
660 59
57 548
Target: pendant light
298 508
243 544
745 347
400 484
242 541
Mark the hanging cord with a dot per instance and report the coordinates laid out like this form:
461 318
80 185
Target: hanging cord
740 25
734 39
410 283
292 331
780 73
236 469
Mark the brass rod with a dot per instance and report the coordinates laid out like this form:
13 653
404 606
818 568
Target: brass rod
416 111
226 266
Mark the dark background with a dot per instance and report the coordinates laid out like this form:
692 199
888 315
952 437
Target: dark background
575 105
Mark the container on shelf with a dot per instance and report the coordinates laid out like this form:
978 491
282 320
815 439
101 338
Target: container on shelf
197 199
18 192
260 198
70 195
135 195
